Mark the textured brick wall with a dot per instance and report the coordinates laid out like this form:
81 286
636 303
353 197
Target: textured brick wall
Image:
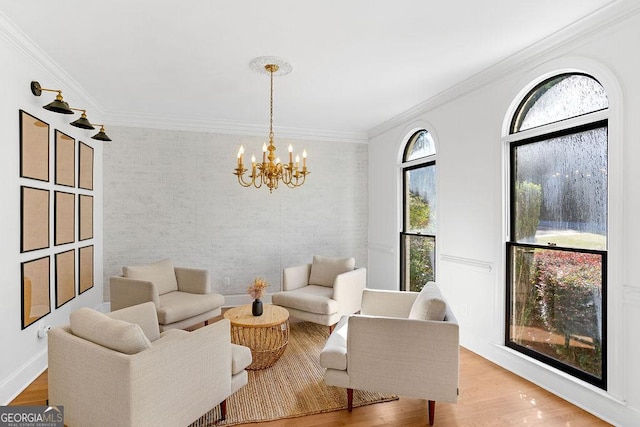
172 194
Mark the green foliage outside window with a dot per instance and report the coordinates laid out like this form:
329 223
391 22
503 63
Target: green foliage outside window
420 248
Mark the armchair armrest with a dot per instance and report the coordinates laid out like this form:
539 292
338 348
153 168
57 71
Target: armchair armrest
192 363
193 280
295 277
126 292
348 288
387 303
415 358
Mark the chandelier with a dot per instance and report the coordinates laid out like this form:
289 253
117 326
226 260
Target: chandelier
271 171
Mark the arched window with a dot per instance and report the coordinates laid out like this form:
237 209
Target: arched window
557 246
418 236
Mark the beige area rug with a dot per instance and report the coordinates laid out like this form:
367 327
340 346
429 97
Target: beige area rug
293 387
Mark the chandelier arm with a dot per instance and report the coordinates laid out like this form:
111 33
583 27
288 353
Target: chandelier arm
242 182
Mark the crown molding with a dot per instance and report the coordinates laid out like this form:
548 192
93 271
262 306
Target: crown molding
572 35
230 127
54 74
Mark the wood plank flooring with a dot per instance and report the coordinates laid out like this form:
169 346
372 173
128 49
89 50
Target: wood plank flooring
489 396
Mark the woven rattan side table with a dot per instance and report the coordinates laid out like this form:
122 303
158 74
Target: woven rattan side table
267 335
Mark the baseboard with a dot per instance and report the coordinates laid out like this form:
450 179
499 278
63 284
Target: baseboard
21 378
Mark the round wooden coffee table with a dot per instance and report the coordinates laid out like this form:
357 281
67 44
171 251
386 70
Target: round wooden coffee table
267 335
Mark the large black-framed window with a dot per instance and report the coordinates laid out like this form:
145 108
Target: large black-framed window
556 309
418 235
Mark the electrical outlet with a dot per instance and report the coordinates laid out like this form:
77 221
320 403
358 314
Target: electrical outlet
226 281
43 331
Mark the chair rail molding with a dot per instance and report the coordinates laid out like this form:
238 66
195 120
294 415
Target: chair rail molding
483 266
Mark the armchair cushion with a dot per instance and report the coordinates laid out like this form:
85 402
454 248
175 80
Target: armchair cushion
429 305
141 314
176 306
312 299
117 335
325 269
162 273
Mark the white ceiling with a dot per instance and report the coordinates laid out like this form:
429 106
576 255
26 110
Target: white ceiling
356 63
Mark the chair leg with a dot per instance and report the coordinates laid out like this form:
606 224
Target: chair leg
223 410
206 322
432 411
350 399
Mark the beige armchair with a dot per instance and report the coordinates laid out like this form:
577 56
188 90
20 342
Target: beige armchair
323 291
182 296
403 343
119 370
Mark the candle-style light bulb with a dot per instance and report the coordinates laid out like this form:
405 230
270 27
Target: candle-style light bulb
304 158
290 153
240 152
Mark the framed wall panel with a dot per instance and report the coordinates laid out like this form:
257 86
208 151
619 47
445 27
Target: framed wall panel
86 216
35 290
64 218
85 166
65 277
34 147
34 207
85 262
65 159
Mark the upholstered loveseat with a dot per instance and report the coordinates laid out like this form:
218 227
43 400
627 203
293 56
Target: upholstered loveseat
403 343
119 370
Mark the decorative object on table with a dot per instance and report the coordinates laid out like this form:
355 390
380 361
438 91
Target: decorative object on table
257 291
271 171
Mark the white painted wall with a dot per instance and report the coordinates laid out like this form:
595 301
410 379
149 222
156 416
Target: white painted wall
172 194
23 355
468 122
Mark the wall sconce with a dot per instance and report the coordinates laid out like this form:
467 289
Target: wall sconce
58 105
82 122
101 136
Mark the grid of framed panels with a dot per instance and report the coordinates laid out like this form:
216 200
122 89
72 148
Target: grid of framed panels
56 218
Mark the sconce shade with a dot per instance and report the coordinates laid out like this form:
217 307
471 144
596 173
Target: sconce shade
101 136
82 122
58 106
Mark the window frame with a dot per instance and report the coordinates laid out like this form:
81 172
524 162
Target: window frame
569 126
407 166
